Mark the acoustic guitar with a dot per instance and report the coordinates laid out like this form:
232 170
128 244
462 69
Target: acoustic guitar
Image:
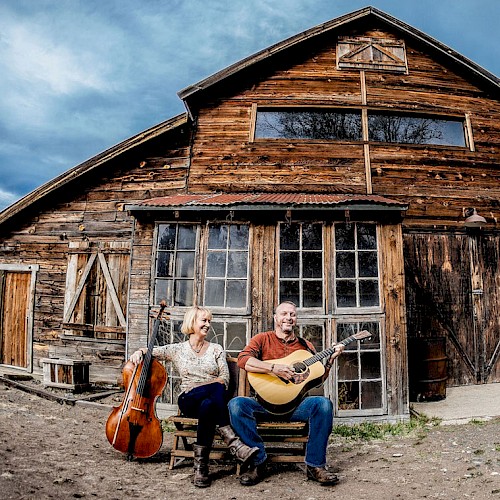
280 396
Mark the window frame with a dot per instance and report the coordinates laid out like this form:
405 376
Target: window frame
365 113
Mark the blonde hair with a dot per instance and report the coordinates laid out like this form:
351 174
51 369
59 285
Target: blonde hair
187 326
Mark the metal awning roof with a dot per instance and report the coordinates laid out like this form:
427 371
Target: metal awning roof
268 201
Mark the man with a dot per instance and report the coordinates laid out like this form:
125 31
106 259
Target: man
316 410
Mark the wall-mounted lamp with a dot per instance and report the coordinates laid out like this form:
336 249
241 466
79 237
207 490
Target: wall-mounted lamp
473 219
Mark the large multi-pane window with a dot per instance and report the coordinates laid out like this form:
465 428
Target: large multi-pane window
360 369
356 265
175 264
301 264
226 274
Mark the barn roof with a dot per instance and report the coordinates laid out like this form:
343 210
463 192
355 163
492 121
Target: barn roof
275 200
193 92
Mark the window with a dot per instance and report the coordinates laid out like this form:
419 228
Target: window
309 124
347 125
360 380
405 129
175 261
301 264
227 266
356 265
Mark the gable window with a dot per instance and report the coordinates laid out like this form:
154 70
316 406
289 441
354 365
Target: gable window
407 129
347 125
336 125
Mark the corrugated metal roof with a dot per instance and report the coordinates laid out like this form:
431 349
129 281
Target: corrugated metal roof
256 200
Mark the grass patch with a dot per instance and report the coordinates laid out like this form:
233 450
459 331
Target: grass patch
368 431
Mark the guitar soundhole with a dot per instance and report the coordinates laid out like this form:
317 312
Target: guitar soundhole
300 368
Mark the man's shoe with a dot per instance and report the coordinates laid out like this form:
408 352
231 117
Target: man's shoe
321 475
254 474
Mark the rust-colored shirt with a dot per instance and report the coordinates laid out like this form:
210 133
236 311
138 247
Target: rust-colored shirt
267 345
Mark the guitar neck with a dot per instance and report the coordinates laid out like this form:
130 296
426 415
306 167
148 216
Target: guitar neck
328 352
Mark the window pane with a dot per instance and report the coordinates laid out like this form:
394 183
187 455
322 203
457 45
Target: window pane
348 366
185 264
314 334
216 264
163 290
289 237
238 237
236 337
344 236
368 266
289 264
312 265
346 293
345 265
349 395
309 124
367 236
186 237
237 265
374 341
289 290
183 293
415 130
371 395
370 365
166 237
164 265
312 294
368 293
217 237
236 293
312 237
214 293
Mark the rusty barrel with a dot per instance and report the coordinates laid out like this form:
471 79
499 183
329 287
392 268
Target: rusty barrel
427 366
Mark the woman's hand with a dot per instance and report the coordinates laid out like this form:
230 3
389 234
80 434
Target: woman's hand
137 356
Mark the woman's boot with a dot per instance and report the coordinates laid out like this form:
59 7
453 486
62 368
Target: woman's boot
201 478
236 446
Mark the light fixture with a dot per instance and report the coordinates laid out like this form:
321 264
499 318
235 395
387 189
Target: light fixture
473 219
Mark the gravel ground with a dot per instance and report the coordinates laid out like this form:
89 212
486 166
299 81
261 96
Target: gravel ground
53 450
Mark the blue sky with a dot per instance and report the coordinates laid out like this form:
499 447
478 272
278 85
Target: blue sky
79 76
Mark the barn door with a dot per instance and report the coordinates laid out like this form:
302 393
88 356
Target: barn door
452 291
16 315
96 290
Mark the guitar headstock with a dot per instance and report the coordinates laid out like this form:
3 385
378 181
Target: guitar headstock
364 334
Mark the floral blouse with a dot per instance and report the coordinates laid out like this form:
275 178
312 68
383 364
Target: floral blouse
193 369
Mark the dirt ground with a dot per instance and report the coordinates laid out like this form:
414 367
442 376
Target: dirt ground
53 450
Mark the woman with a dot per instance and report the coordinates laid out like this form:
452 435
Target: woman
204 375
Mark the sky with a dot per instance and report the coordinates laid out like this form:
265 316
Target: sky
79 76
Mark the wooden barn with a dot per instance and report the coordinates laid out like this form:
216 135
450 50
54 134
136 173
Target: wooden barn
353 168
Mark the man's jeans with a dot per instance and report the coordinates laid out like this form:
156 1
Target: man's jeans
316 410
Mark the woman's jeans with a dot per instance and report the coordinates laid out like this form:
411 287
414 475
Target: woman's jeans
207 403
316 410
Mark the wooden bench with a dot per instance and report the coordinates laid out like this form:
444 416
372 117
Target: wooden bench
285 442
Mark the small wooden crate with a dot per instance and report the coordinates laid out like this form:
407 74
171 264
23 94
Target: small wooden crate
68 374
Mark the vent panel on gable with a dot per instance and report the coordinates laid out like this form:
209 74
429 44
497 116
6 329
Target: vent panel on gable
367 53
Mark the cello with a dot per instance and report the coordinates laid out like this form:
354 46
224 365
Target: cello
133 427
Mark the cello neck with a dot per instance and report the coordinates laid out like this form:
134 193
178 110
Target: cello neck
148 356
